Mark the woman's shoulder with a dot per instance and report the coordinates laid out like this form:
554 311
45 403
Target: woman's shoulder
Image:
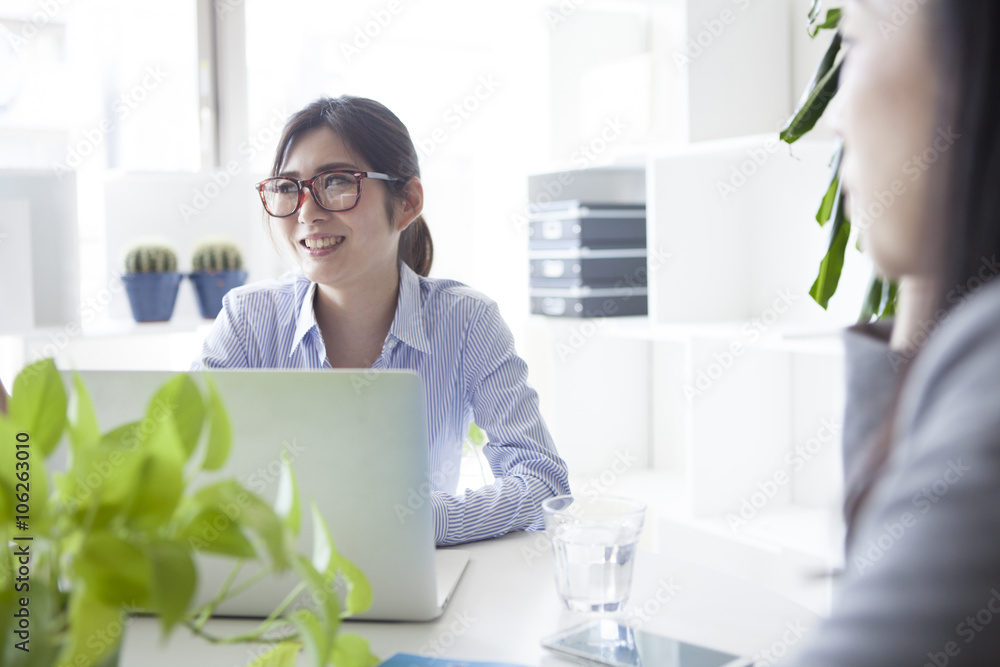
967 331
444 293
956 377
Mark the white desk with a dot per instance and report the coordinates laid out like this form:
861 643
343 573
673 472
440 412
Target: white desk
507 601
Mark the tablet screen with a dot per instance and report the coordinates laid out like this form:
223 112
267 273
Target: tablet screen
609 643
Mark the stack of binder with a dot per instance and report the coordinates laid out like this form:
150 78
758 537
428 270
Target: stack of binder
588 259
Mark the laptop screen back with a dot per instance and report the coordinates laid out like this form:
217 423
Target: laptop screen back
357 441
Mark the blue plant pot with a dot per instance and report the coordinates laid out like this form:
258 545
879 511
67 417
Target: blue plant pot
152 295
211 287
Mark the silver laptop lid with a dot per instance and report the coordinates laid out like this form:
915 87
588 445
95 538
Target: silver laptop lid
358 445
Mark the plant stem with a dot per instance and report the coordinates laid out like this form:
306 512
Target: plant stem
207 610
253 637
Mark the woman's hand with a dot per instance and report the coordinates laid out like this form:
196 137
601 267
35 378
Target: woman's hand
914 308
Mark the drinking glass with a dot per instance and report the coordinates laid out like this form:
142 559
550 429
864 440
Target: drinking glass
593 545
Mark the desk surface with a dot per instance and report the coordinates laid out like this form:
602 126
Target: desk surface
506 602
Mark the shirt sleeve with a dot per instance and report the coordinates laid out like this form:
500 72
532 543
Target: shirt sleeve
922 582
225 345
520 450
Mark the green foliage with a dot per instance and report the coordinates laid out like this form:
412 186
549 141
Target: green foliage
124 540
477 436
818 94
151 259
881 298
216 256
832 265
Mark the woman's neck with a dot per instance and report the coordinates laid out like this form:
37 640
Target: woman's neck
354 322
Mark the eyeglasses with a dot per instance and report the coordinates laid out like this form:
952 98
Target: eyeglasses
335 190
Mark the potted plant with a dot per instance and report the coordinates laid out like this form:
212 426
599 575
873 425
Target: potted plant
880 300
118 531
151 280
217 267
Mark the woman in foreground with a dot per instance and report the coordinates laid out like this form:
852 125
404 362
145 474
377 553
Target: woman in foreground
919 113
345 199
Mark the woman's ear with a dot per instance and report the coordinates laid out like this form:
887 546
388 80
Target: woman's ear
411 205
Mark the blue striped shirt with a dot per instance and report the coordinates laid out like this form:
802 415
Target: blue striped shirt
455 339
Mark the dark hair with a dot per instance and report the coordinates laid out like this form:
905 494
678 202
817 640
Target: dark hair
963 226
375 135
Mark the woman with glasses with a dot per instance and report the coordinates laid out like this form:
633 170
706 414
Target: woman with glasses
345 199
919 113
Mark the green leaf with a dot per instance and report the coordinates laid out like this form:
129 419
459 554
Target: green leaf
83 429
477 436
37 488
173 583
220 434
887 304
313 635
246 510
161 478
323 548
818 94
110 471
833 191
179 400
351 650
38 405
329 563
359 590
282 655
832 22
833 263
817 7
321 593
116 572
95 630
35 477
46 616
212 531
873 298
287 504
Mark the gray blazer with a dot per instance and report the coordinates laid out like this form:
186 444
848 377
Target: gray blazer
922 585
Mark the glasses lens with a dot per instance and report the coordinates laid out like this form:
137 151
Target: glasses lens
336 191
281 196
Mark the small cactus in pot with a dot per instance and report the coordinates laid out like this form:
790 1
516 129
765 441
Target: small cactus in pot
216 257
151 259
217 267
151 281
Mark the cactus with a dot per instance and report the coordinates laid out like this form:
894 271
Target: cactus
217 256
151 259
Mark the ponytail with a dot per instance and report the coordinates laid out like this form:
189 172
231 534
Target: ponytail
416 247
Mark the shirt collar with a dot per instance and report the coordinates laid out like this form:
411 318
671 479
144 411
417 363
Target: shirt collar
306 318
407 325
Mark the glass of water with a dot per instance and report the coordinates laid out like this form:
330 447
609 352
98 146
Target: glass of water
593 545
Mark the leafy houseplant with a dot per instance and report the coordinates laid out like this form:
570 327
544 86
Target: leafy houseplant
118 531
880 300
217 267
151 280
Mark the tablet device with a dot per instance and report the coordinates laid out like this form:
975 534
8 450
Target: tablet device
607 642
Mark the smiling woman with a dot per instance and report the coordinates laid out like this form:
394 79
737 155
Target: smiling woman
345 200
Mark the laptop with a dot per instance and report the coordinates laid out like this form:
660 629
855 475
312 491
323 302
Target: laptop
357 441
